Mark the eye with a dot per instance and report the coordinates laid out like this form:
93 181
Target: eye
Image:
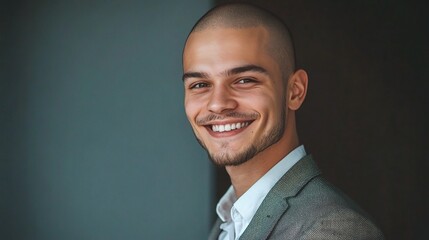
198 85
246 80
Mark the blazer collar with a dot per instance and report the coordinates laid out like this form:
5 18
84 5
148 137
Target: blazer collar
215 232
275 203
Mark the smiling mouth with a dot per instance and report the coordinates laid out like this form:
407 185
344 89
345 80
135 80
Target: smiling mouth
228 127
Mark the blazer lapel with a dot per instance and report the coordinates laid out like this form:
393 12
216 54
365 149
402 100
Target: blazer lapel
275 203
214 233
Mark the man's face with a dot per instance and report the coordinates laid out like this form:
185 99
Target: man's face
235 98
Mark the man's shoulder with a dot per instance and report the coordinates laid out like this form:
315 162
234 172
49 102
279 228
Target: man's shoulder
321 194
320 210
306 191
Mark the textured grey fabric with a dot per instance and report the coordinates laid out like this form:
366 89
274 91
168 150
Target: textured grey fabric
303 205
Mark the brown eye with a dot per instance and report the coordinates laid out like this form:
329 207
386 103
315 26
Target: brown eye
198 85
246 80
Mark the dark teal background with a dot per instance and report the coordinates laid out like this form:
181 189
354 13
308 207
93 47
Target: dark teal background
94 140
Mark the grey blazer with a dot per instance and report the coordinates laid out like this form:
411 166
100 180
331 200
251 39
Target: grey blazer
303 205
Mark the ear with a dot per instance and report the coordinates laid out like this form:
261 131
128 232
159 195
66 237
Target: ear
297 89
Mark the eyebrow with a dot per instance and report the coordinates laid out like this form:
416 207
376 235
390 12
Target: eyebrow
194 75
245 68
229 72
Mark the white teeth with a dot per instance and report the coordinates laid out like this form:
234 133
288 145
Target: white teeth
229 127
221 128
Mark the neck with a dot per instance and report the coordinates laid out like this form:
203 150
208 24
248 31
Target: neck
246 174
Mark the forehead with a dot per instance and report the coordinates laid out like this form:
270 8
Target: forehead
223 47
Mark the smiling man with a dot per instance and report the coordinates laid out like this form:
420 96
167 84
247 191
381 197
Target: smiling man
241 94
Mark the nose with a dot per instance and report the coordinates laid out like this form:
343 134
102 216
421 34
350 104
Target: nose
221 100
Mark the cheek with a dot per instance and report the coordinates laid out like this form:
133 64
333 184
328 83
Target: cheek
191 109
264 103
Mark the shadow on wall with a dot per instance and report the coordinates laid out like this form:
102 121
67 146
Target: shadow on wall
365 117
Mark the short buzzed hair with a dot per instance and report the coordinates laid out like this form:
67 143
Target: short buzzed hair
240 15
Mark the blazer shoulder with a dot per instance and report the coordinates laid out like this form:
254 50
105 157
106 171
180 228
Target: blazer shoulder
344 224
303 205
321 211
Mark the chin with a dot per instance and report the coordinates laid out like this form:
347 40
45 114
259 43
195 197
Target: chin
227 159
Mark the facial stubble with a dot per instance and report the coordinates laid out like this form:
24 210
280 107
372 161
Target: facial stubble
226 158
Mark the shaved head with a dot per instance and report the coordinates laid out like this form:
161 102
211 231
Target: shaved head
241 86
238 16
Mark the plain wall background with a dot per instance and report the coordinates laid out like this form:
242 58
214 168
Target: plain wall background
94 140
365 119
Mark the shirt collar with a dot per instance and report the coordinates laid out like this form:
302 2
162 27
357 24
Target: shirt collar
250 201
223 208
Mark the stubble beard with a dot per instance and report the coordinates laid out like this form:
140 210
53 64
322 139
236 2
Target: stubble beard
228 158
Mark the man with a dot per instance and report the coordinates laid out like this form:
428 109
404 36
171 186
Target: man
241 94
